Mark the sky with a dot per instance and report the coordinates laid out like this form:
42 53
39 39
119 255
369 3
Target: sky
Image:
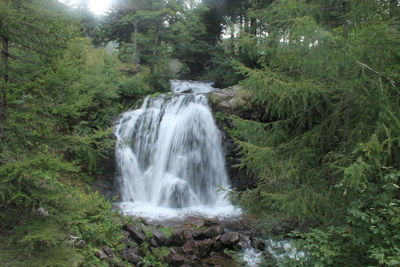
99 6
96 6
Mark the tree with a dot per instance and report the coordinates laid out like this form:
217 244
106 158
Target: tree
27 32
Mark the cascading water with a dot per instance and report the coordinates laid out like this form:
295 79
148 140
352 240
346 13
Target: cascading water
169 156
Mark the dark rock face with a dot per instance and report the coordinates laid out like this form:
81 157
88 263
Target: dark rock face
233 101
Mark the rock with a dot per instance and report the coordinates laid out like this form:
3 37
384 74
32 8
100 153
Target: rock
136 234
108 251
204 247
42 212
158 236
241 245
176 239
230 238
101 255
189 247
177 259
198 234
257 243
212 221
219 259
214 231
217 246
126 241
131 256
194 221
154 243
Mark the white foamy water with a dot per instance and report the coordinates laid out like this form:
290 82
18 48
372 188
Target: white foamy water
169 157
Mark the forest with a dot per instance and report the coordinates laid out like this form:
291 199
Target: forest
317 130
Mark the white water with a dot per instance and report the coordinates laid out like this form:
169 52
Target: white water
169 157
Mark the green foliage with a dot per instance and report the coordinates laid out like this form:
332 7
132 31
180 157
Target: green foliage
155 256
370 235
62 97
324 135
167 231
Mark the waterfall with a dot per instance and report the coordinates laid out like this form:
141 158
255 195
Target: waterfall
169 155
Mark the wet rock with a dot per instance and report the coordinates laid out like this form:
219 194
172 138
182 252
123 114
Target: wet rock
230 238
204 247
131 256
212 221
241 245
257 243
214 231
136 234
194 221
198 234
158 236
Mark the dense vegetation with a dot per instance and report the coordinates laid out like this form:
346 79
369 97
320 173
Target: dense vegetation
322 138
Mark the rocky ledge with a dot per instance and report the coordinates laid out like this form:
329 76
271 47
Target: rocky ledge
195 242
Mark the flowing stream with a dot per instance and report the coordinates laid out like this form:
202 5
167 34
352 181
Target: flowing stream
169 157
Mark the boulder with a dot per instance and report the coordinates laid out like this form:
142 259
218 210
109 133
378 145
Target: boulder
126 241
130 255
230 238
219 259
194 222
214 231
189 248
177 259
154 243
212 221
217 246
241 245
135 233
176 239
101 255
108 251
257 243
204 247
198 234
158 236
